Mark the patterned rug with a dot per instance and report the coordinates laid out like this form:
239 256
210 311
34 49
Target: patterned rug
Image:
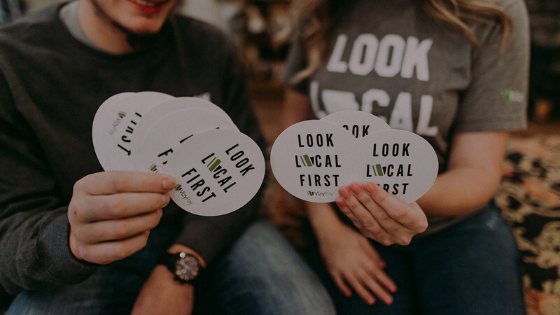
530 200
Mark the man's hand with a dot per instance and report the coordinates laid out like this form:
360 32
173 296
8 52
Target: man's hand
379 215
161 294
111 213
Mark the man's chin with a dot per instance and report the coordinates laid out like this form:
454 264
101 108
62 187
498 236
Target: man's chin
140 36
143 29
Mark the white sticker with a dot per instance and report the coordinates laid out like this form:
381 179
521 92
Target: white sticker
359 123
401 162
103 110
312 159
169 132
158 112
217 172
114 124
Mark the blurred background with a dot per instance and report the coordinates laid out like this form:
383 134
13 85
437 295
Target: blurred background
530 192
262 29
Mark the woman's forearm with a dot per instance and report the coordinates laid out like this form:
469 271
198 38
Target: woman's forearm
473 175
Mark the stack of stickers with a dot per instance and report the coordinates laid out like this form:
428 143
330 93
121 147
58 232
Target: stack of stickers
312 159
217 168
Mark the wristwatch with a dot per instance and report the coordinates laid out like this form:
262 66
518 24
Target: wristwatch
184 267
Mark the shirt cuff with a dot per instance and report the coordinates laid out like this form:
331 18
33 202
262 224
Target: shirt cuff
54 252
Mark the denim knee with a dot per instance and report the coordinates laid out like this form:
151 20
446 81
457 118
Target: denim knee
262 274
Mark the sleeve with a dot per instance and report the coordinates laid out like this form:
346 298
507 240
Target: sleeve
210 236
497 96
34 227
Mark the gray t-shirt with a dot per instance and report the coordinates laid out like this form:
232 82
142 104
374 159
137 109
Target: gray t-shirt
390 58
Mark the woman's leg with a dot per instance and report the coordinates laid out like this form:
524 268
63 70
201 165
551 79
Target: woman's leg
470 268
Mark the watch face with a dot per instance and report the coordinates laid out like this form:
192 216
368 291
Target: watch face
186 268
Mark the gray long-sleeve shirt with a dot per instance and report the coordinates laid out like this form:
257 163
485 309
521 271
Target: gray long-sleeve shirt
50 88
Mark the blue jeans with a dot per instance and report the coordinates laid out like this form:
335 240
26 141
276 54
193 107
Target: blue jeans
260 275
468 268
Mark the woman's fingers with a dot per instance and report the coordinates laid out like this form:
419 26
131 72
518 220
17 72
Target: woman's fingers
339 281
377 281
380 216
410 216
363 218
378 290
371 208
356 282
356 211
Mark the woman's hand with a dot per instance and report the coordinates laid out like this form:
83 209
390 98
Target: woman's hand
354 263
379 215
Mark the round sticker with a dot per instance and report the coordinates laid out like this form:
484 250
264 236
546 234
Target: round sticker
312 159
359 123
158 112
401 162
114 124
152 154
217 172
103 110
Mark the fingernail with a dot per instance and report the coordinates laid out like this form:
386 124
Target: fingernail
370 301
339 202
388 300
165 199
343 191
370 187
167 184
356 188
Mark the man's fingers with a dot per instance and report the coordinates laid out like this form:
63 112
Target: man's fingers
114 230
100 208
114 182
104 253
